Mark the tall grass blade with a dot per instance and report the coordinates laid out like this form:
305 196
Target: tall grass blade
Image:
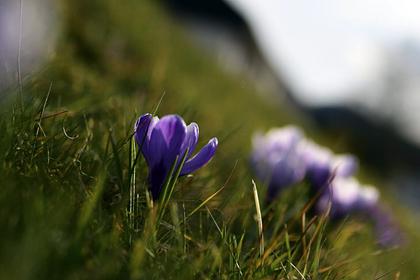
259 218
170 183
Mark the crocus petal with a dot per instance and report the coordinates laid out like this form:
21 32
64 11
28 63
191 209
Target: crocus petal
368 198
289 171
173 131
319 176
157 148
347 196
143 130
190 140
201 158
141 127
157 176
152 125
345 165
315 155
343 193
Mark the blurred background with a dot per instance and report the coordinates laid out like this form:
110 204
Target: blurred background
28 31
350 68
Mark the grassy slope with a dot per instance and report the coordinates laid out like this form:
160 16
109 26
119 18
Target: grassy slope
64 199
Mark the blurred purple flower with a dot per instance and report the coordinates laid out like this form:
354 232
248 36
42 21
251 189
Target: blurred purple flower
283 157
276 159
388 233
164 140
322 164
346 196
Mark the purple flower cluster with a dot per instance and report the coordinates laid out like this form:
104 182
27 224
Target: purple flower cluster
166 140
284 157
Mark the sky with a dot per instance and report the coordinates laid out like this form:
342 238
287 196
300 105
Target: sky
332 51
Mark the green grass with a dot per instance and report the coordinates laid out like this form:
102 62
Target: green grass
74 201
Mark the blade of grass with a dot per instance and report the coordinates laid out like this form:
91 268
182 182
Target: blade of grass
224 240
298 271
175 222
169 186
204 202
118 166
132 187
38 122
214 194
259 219
317 254
287 243
90 205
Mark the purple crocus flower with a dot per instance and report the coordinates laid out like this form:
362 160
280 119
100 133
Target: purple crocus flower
346 196
164 140
276 159
322 164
